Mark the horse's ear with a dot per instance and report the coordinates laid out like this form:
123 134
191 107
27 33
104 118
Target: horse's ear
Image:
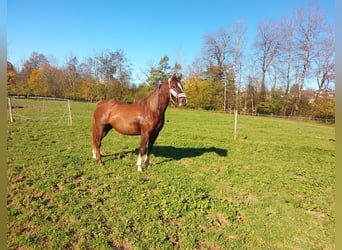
180 77
174 76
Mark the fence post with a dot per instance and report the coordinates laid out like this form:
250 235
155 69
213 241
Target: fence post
70 115
10 108
235 123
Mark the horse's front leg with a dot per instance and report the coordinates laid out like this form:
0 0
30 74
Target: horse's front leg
151 141
142 150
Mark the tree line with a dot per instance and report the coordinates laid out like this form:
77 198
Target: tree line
268 76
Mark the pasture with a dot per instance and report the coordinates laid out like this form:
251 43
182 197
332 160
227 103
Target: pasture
272 188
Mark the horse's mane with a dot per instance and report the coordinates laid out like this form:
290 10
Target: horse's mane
152 100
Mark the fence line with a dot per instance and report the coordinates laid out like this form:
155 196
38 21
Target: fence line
68 109
31 119
38 97
301 118
62 117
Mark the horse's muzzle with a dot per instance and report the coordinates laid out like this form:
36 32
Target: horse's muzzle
182 99
179 99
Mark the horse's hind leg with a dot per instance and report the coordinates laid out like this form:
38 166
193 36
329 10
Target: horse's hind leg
98 132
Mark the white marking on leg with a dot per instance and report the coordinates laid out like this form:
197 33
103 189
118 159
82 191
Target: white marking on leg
139 163
94 154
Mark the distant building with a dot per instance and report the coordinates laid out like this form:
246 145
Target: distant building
329 94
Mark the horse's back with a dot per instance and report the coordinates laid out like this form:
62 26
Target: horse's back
106 103
103 109
105 106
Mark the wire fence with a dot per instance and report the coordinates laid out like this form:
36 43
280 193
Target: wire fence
300 118
66 111
22 108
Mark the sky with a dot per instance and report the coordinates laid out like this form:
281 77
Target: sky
145 30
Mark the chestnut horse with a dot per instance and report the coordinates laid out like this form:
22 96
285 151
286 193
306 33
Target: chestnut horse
144 118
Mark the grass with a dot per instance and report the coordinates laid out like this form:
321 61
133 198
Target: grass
272 188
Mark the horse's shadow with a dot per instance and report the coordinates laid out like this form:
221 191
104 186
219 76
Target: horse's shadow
180 153
171 153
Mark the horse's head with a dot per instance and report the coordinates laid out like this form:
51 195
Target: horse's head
177 95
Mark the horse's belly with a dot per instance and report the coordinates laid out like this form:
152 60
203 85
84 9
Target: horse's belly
126 125
128 130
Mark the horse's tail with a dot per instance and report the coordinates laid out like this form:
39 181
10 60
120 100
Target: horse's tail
93 132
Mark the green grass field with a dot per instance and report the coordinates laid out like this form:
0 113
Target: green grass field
272 188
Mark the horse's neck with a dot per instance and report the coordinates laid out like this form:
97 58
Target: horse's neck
159 99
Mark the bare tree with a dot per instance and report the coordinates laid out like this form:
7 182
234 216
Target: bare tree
238 36
308 27
324 59
239 42
287 50
216 49
286 58
35 61
267 45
